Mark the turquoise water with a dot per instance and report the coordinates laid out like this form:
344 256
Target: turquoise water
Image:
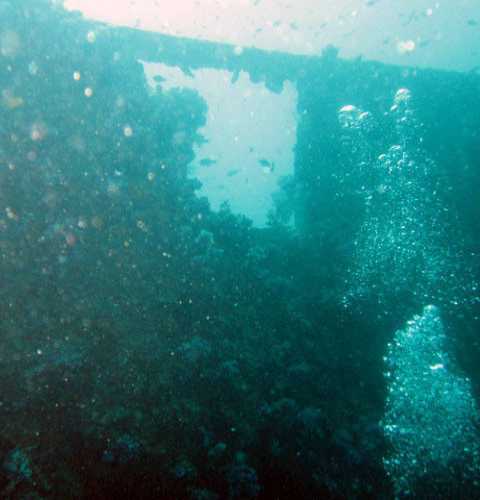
165 334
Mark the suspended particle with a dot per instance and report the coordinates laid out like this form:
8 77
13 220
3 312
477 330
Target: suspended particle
9 43
76 75
91 37
88 92
97 222
113 187
405 46
82 223
127 131
86 323
31 156
78 143
11 213
38 131
70 239
9 100
141 225
33 68
151 176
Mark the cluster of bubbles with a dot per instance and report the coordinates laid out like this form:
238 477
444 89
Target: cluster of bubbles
351 117
404 245
408 247
430 415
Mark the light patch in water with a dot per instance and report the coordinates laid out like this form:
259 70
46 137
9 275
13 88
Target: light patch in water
250 132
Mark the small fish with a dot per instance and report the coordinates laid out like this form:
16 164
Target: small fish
187 71
472 22
267 166
233 172
206 162
264 163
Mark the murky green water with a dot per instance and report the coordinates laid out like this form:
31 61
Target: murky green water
233 274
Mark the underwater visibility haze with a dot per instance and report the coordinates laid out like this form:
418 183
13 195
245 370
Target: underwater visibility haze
239 262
